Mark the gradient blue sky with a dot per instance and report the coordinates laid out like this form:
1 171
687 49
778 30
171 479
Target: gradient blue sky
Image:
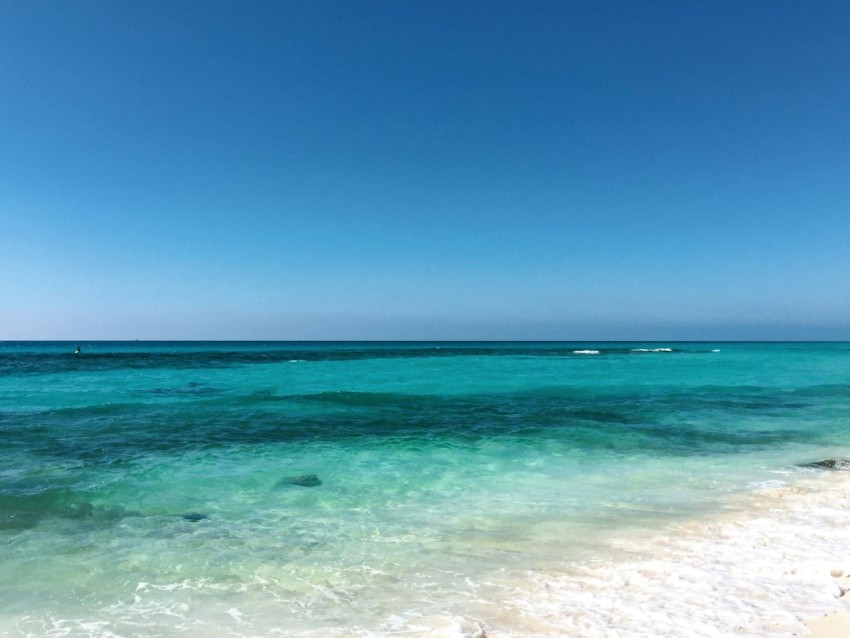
424 170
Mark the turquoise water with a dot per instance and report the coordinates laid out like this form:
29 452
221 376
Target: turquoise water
151 488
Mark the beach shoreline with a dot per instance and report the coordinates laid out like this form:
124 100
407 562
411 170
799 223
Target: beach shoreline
835 624
775 569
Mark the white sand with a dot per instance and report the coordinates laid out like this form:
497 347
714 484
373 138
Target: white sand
758 572
835 625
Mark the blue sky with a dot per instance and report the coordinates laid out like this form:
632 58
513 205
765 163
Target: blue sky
424 170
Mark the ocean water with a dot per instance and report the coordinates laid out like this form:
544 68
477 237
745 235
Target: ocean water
421 489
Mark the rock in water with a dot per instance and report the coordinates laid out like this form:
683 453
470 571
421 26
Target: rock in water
81 510
195 516
831 464
303 480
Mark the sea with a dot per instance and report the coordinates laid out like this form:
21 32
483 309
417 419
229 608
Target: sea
265 489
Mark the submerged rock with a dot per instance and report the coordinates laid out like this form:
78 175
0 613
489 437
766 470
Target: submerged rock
831 464
81 510
302 480
194 516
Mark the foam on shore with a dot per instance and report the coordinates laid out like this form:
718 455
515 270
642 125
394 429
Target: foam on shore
760 573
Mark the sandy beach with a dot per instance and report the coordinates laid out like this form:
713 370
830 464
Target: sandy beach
778 570
835 625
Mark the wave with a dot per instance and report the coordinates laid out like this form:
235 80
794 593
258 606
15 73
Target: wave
585 351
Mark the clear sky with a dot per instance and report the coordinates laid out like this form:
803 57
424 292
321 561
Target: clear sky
424 170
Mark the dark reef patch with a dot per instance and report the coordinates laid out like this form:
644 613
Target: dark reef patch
302 480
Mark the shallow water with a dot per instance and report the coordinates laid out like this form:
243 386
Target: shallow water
504 488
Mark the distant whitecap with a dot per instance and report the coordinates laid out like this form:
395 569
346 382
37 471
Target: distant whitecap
585 351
